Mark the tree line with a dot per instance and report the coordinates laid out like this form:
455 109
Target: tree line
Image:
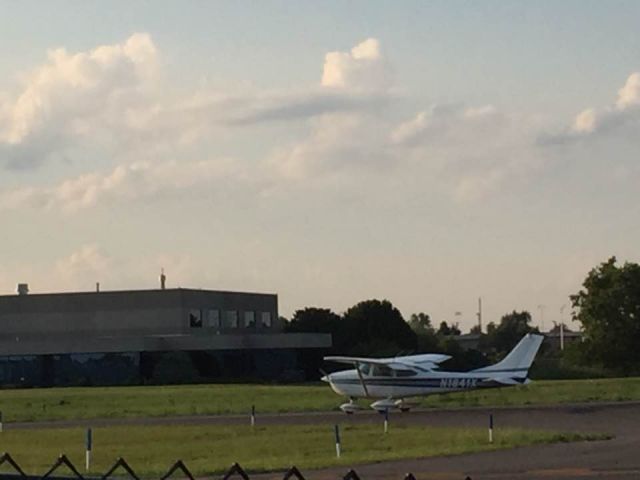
607 309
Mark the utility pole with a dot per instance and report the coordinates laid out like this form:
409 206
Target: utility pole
480 313
541 308
562 327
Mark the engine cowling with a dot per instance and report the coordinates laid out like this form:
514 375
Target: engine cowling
350 408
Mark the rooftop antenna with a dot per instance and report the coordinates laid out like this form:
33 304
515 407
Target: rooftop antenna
163 279
480 313
97 286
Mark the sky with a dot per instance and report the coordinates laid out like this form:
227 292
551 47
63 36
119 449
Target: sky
428 153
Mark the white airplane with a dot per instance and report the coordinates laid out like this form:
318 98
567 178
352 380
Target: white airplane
392 380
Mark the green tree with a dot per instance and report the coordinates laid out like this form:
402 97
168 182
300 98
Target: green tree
608 307
513 326
376 327
448 330
312 319
420 323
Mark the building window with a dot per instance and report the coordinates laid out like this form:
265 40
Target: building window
231 319
249 319
214 319
195 318
266 319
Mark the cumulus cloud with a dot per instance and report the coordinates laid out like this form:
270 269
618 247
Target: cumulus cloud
337 143
620 117
362 68
73 94
125 182
475 151
88 263
629 94
113 100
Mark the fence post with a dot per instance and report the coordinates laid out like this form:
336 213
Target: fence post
253 415
88 446
491 428
338 449
0 421
386 420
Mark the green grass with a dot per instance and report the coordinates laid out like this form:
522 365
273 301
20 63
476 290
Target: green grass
546 392
159 401
151 450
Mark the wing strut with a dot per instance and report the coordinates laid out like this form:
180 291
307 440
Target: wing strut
364 385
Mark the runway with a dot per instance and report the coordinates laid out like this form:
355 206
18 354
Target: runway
618 458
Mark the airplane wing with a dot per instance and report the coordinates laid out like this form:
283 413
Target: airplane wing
428 360
424 358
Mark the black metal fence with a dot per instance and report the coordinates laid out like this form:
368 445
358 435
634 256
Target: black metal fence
121 467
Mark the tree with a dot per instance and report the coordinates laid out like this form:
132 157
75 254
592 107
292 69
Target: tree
420 323
448 330
608 307
376 327
513 326
476 330
315 320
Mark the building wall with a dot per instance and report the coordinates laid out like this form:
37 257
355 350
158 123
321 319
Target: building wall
148 336
152 312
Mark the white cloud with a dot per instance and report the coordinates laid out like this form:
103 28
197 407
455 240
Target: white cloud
622 117
125 182
337 144
585 122
629 94
72 95
362 68
113 100
86 265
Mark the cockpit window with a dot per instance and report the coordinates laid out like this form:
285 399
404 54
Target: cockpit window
364 368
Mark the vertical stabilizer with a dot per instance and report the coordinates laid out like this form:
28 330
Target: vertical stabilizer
519 360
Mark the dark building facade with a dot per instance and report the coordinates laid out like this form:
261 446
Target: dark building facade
148 336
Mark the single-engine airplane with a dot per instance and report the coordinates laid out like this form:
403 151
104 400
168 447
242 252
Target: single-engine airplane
392 380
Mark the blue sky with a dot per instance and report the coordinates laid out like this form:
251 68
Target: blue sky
425 152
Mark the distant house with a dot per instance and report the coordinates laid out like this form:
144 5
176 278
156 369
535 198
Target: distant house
468 341
552 338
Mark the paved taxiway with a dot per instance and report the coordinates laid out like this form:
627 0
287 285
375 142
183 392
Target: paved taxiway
618 458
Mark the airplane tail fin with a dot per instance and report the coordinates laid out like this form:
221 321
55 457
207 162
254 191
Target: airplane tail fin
519 360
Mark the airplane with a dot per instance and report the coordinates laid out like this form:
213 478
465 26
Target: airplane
392 380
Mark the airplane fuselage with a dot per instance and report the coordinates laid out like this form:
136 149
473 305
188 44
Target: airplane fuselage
348 384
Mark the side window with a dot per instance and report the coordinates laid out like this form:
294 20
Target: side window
365 368
381 371
405 373
231 319
214 319
195 318
265 318
249 319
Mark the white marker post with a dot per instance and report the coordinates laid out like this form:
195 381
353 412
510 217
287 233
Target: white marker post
253 416
88 446
491 428
0 421
386 420
337 429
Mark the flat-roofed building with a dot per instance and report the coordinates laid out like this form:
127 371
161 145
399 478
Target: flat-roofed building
147 336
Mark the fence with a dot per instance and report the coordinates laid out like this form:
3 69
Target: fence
236 471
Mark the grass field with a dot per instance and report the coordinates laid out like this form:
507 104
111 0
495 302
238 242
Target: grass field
158 401
151 450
